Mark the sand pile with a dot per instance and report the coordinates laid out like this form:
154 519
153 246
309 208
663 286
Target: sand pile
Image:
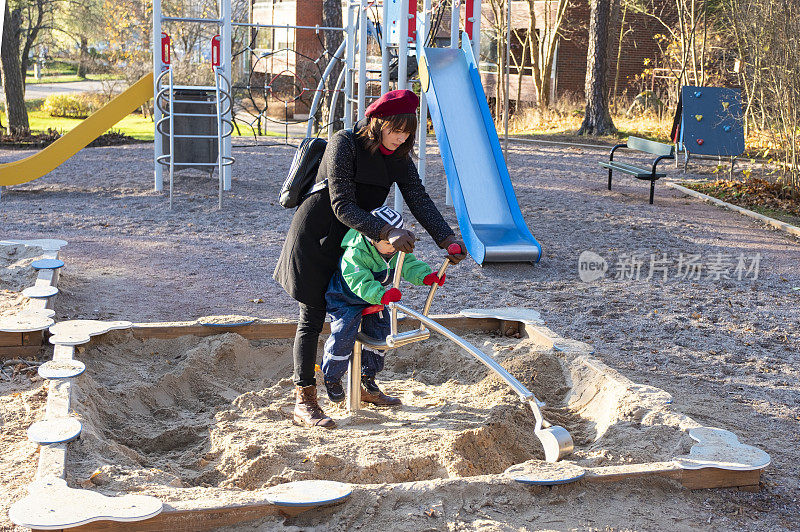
16 274
216 412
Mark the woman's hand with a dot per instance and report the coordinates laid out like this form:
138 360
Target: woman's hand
402 240
456 250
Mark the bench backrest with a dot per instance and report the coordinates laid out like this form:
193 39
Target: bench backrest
650 146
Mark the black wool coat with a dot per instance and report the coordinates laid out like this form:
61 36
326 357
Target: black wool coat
358 182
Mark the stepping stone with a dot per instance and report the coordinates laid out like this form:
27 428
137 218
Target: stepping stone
40 291
525 315
539 473
76 332
307 493
58 430
47 264
27 321
225 321
61 369
52 505
721 449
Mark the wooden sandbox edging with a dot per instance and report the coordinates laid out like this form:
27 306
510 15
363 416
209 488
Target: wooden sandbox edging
209 513
27 344
272 329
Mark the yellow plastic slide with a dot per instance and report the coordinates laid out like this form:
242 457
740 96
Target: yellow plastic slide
38 164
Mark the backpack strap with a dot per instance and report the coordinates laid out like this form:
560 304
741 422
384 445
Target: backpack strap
316 188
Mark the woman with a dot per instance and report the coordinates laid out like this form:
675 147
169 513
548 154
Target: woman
361 166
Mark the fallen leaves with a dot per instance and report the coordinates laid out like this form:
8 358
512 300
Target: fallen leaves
752 192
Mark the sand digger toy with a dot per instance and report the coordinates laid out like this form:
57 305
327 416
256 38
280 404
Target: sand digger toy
556 440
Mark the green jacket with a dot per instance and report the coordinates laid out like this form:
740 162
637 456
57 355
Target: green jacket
361 259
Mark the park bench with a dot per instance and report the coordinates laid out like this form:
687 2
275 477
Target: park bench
661 151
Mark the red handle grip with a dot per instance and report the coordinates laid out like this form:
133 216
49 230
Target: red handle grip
215 46
454 249
166 44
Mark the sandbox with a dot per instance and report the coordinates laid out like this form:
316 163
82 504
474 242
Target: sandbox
16 274
202 420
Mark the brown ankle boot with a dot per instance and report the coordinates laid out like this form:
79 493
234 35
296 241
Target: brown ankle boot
371 393
307 412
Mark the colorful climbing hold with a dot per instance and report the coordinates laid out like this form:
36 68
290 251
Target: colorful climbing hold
726 128
698 117
725 105
699 142
697 94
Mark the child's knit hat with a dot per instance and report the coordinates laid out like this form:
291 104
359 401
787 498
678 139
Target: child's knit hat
389 216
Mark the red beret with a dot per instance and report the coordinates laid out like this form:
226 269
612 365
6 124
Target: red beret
393 103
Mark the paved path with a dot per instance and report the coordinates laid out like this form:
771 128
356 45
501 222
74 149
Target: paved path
43 90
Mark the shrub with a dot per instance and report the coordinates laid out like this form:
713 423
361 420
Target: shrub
68 106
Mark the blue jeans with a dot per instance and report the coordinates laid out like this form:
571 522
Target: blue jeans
346 319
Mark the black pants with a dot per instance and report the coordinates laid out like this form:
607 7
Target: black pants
309 327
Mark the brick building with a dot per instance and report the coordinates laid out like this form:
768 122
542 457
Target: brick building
569 69
287 57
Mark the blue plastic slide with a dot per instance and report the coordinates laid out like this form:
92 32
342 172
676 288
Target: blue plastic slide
488 213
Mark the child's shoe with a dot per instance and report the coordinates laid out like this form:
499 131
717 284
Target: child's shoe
370 393
335 390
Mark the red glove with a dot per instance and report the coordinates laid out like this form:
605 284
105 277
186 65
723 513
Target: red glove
433 278
392 295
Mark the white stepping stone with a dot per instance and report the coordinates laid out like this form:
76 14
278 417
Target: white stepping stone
52 505
40 291
525 315
541 473
47 264
47 244
61 369
27 321
307 493
58 430
76 332
721 449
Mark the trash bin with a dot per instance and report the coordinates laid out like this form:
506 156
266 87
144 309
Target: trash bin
194 150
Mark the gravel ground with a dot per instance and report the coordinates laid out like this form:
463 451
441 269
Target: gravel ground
725 348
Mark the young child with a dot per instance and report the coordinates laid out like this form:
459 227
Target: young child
364 278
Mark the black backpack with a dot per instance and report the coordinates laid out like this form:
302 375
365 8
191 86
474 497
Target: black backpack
303 173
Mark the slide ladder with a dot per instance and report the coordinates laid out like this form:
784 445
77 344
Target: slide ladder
221 107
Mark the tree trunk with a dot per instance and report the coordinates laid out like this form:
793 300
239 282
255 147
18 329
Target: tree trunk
597 120
521 68
13 82
332 18
543 46
83 57
619 57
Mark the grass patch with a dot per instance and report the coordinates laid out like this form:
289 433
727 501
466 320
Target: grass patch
562 125
55 68
133 125
758 195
